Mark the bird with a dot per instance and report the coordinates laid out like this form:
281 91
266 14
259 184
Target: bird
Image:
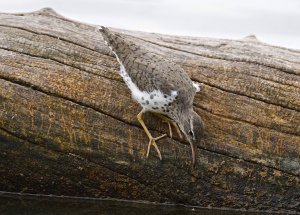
160 86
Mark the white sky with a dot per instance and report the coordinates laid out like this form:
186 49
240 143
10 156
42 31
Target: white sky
272 21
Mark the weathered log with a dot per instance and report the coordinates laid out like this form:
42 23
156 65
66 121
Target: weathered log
68 126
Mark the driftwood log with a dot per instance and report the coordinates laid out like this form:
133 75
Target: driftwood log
68 125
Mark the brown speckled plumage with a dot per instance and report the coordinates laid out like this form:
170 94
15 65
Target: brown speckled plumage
151 73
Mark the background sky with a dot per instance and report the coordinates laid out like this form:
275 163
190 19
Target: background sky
272 21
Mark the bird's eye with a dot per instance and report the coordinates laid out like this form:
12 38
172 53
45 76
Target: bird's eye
191 133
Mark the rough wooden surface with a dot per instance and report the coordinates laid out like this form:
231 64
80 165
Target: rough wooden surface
68 126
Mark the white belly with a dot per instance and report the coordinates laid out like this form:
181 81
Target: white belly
154 101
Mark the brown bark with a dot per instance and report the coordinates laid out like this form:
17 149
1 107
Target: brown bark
68 126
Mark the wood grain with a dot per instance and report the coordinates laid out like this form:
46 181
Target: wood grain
68 125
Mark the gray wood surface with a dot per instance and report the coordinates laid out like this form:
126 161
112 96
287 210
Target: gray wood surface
68 125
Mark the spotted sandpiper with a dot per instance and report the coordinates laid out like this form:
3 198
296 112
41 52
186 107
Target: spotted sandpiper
159 86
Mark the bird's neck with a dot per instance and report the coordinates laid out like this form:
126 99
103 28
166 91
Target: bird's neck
183 118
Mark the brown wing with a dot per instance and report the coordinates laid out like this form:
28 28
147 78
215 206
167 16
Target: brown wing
150 71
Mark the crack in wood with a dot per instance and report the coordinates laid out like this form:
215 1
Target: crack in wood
245 121
249 97
122 173
37 88
61 63
226 58
230 176
269 78
212 85
49 35
85 158
243 94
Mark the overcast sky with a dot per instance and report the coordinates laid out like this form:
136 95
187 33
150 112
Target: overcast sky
272 21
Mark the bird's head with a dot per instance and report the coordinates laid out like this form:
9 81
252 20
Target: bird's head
193 128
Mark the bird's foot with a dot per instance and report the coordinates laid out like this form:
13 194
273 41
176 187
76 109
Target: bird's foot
174 124
170 124
152 141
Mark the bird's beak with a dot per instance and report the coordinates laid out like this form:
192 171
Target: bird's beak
194 149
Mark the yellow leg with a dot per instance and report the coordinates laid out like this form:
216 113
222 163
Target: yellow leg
170 122
151 139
